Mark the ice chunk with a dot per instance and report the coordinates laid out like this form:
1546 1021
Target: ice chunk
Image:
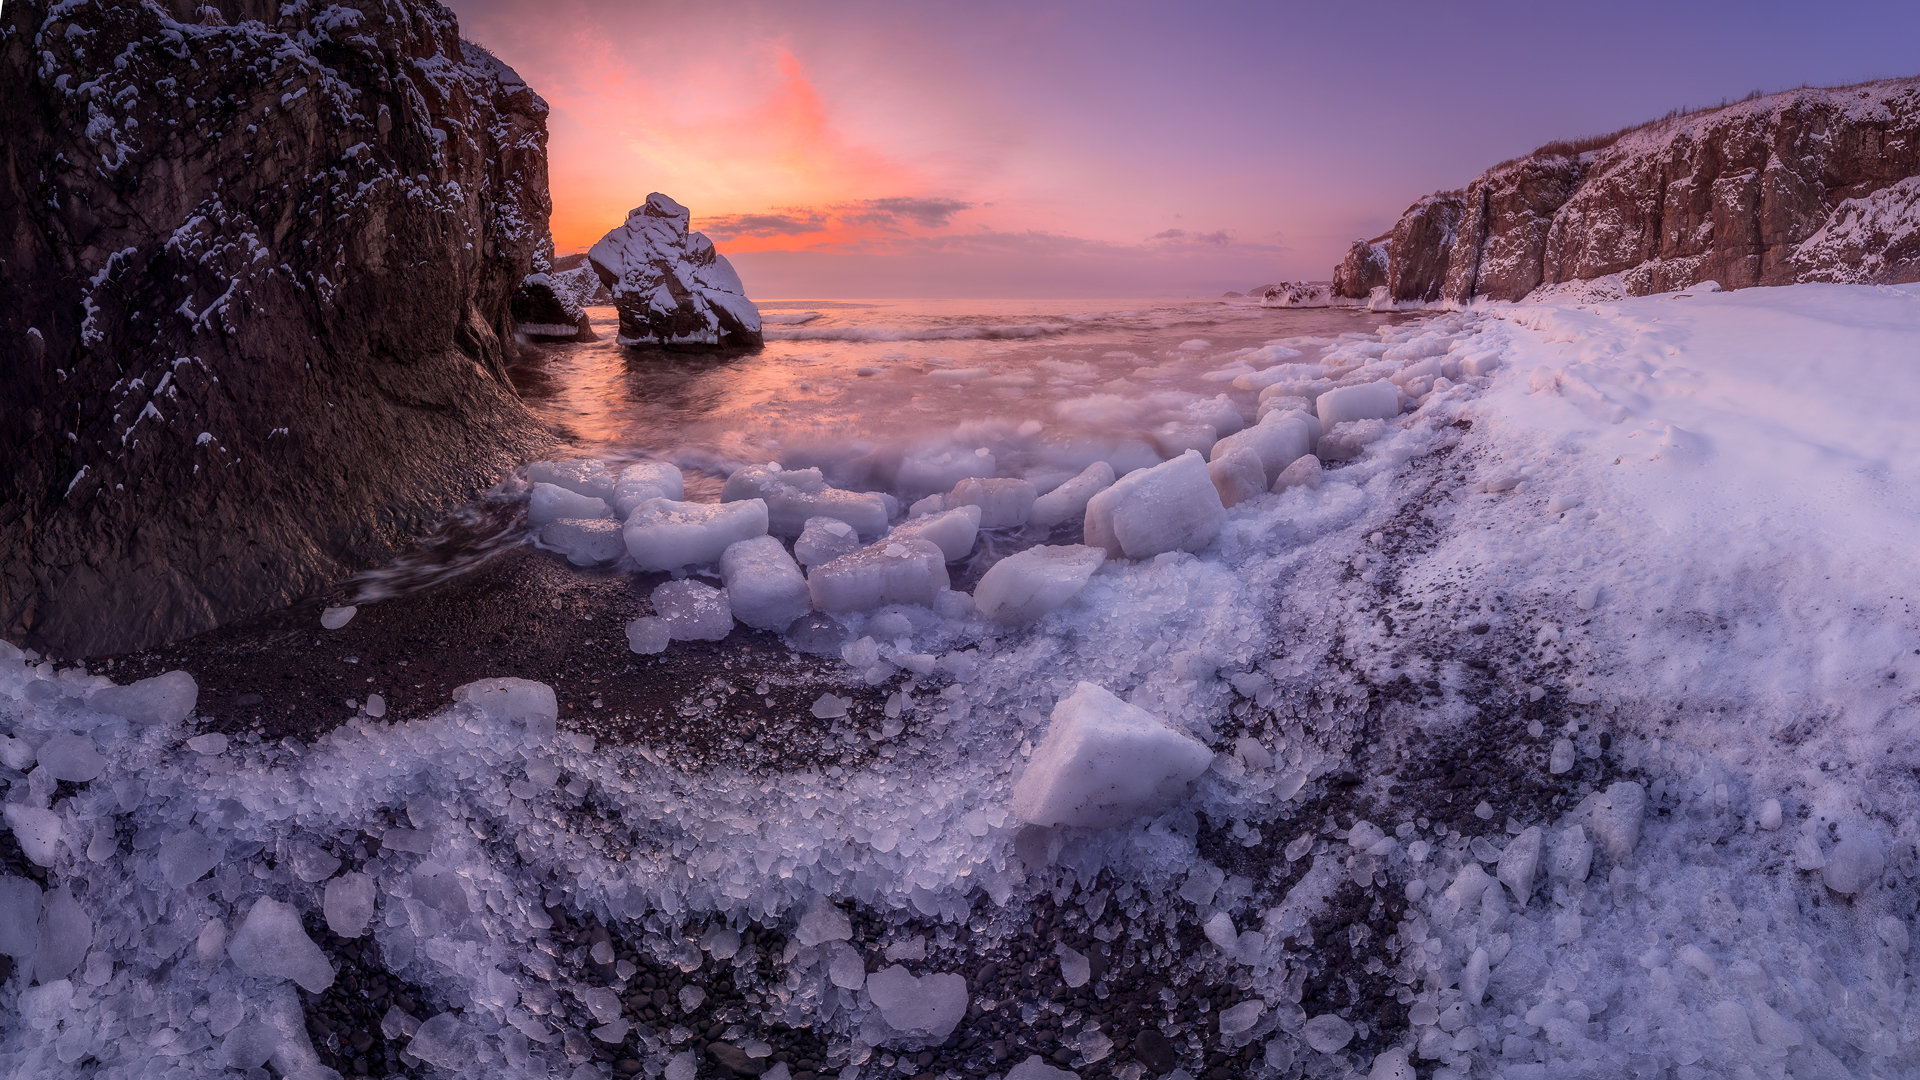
1616 818
691 998
1520 863
186 856
1853 865
823 540
764 586
15 753
646 480
648 635
892 571
1221 932
37 830
1475 975
1075 968
1481 364
1388 1065
1238 475
926 473
249 1045
665 535
1368 401
794 495
213 742
271 944
931 1006
518 701
683 1066
1326 1033
1068 502
1173 438
586 543
1241 1018
1036 1068
309 862
1217 412
71 757
823 922
1003 503
1770 815
1348 440
1280 440
1105 762
19 916
212 942
1572 856
443 1041
1304 472
163 699
694 611
1468 885
552 503
376 706
582 476
844 966
828 706
1560 758
66 933
334 618
1169 507
952 531
1027 584
348 904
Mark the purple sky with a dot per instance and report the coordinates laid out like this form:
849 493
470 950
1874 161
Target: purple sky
1113 149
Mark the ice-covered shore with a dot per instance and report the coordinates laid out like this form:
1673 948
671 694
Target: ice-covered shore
1572 717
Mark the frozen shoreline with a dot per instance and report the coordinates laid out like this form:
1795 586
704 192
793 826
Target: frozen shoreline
1668 531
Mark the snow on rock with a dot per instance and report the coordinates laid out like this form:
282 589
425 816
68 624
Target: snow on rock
1170 507
1069 500
1104 763
792 496
663 534
1028 584
162 699
764 585
671 287
930 1006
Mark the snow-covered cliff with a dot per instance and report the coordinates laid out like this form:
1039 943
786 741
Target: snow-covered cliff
257 259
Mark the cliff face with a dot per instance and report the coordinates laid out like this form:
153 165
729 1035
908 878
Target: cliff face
258 258
1807 185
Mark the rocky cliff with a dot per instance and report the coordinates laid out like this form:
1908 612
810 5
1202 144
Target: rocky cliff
257 258
1807 185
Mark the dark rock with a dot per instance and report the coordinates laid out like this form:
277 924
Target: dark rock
1154 1051
257 273
1422 242
550 305
672 288
1363 270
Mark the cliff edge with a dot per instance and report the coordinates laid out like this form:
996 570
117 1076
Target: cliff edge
258 259
1806 185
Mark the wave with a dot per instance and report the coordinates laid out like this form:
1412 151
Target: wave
788 319
1013 331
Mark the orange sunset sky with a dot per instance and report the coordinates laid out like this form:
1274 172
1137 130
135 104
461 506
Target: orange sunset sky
1075 149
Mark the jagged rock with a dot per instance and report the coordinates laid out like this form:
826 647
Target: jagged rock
257 259
1296 294
1363 270
550 305
1806 185
671 286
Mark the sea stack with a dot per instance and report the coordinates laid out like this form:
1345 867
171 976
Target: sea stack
672 288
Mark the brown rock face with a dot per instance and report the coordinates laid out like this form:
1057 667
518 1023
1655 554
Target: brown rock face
1807 185
257 260
1364 268
1421 247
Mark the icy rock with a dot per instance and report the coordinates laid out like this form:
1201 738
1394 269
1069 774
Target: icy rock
1105 762
1326 1033
646 480
1279 441
65 935
823 540
71 757
550 502
334 618
37 830
931 1006
249 1045
1172 506
271 944
19 916
1075 968
1028 584
186 856
1853 865
892 571
794 495
1520 863
649 634
694 611
1036 1068
1571 857
764 585
582 476
1069 501
1004 504
844 966
952 531
1560 758
1237 475
516 701
662 534
1391 1065
443 1041
163 699
1770 815
1616 818
213 742
1304 472
1368 401
1242 1017
670 285
586 543
823 922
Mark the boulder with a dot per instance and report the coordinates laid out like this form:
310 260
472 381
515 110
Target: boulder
672 288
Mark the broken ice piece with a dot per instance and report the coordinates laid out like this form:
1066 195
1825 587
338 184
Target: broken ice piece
1854 864
765 588
893 571
1326 1033
662 534
72 758
334 618
828 706
1028 584
1616 818
1520 863
271 944
1068 502
1172 506
1560 758
931 1006
824 539
648 635
694 611
1105 762
1003 503
213 742
36 829
163 699
348 904
186 857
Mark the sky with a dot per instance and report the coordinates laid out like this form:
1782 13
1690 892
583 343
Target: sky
1114 149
